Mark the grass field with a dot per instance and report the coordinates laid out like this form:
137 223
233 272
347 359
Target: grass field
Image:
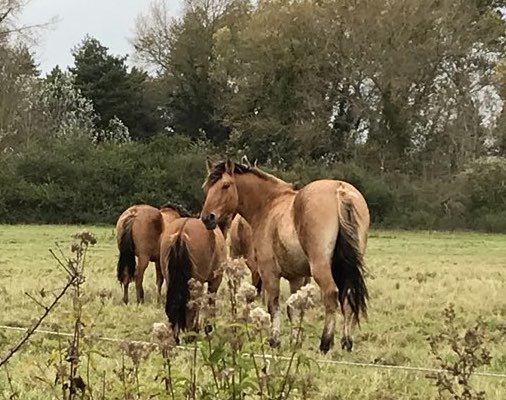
414 277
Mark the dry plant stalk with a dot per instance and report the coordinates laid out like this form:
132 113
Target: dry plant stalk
467 354
74 277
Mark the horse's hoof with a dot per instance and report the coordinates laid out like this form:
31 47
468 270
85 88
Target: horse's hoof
289 313
346 343
274 343
326 343
190 339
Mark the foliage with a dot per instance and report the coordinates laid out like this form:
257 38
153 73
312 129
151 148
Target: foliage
115 92
71 180
182 53
467 354
393 93
61 107
392 105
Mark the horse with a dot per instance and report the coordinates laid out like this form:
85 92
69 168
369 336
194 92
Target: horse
138 231
241 245
319 230
189 250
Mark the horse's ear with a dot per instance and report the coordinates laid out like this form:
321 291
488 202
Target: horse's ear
245 161
229 166
209 164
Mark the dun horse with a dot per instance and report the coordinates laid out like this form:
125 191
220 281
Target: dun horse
241 245
189 250
138 231
319 231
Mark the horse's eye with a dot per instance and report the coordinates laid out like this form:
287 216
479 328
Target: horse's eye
225 186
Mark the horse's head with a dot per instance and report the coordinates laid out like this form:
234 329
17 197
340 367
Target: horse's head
221 197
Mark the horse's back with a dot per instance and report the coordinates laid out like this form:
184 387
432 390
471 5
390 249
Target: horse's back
206 247
318 210
146 227
169 215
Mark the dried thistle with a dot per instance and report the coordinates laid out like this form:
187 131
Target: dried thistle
247 293
305 298
85 237
236 270
197 291
136 351
163 335
260 318
469 353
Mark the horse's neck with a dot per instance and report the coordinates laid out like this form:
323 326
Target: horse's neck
256 195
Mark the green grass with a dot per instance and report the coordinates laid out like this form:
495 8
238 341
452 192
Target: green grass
414 276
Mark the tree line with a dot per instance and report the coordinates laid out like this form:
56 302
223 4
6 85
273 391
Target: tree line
402 98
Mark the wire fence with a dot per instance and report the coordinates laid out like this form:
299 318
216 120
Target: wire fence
406 368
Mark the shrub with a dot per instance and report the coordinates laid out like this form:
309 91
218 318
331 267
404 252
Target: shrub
72 180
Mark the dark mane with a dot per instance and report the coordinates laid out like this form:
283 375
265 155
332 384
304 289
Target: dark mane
177 208
220 168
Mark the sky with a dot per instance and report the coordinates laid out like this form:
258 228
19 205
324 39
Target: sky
112 22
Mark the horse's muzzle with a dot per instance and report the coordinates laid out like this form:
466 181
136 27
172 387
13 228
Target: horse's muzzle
210 221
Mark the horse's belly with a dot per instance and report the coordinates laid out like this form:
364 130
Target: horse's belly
289 255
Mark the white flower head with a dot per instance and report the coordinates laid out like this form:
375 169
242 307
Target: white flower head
260 317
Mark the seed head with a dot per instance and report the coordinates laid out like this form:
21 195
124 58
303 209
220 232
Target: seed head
247 293
260 318
304 298
237 270
163 335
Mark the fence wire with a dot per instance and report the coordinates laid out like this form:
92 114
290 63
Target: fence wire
267 356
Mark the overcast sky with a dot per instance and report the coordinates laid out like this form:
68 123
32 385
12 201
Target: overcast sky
110 21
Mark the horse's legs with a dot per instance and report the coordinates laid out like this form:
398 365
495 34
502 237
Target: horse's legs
321 272
295 284
271 284
348 325
126 282
142 264
159 281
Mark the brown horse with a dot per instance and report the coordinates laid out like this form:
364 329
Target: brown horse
189 250
138 231
319 231
241 245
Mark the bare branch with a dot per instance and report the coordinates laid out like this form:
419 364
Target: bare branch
5 14
34 327
36 301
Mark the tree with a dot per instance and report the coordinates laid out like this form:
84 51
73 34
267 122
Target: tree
399 84
17 75
116 93
181 52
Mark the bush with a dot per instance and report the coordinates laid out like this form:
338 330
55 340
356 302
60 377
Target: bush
72 180
75 181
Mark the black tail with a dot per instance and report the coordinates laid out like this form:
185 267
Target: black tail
348 263
126 259
179 267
